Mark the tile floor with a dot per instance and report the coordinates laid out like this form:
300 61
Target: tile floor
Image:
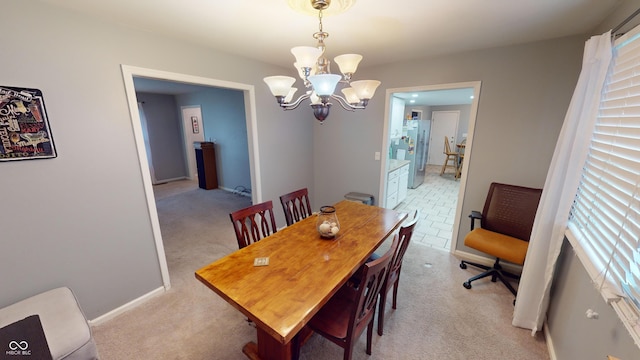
436 198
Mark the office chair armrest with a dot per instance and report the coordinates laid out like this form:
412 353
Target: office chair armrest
475 215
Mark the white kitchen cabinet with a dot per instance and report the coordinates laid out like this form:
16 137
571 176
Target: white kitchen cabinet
392 188
397 182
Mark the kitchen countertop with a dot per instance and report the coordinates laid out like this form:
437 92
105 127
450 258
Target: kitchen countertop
396 164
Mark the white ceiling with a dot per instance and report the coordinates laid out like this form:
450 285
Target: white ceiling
437 97
383 31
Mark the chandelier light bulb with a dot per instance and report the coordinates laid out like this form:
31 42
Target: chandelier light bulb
279 85
289 96
306 56
365 89
324 84
350 95
348 63
314 99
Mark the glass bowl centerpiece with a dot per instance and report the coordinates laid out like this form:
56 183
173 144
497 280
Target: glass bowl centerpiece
327 223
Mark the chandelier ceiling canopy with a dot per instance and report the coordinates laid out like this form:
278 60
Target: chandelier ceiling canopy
311 7
314 69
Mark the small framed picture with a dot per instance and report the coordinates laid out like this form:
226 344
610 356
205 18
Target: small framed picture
194 125
24 125
416 114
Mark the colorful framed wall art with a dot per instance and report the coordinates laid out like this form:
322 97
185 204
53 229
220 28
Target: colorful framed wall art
24 126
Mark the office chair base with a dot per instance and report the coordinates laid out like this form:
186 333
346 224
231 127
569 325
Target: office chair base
494 271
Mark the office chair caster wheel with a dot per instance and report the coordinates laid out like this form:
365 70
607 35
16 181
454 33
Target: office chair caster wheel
467 285
463 266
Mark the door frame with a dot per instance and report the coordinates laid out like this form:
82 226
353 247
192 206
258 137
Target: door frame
128 73
475 85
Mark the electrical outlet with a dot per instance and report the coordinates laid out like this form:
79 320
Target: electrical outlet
376 155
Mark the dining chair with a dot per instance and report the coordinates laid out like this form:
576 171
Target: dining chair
345 316
296 206
253 223
449 156
506 222
393 276
459 170
461 149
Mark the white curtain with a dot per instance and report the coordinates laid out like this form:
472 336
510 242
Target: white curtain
560 186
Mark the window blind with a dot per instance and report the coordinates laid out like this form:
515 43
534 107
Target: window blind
605 217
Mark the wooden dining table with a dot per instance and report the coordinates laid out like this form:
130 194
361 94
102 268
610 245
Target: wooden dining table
303 272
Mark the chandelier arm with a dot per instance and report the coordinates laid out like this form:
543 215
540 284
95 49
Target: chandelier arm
295 104
345 104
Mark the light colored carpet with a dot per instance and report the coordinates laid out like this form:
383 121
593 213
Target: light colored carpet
436 317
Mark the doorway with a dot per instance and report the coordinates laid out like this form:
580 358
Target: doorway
128 74
440 97
444 124
192 122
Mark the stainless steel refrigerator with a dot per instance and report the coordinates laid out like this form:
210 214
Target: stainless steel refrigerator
415 143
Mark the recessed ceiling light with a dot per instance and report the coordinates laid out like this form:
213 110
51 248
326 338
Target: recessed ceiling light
414 95
412 101
471 97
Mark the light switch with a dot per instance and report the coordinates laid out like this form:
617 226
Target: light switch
376 156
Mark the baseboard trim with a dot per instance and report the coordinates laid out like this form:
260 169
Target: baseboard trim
549 341
164 181
463 255
236 191
128 306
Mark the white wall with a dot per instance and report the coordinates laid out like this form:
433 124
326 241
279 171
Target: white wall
164 126
81 219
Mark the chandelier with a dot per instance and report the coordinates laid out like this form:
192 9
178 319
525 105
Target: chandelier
314 69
